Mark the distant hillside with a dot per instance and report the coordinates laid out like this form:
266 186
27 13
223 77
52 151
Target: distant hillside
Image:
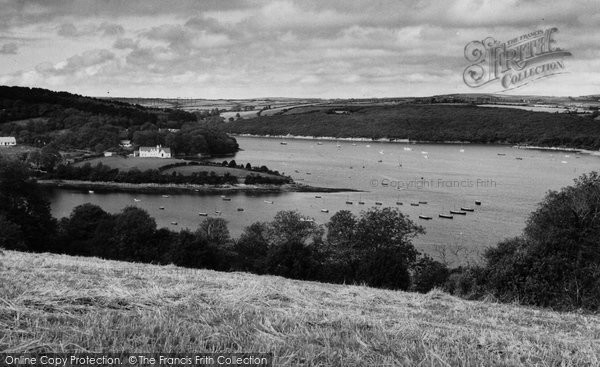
432 122
68 121
55 302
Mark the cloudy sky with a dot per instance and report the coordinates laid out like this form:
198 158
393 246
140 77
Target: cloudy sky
254 48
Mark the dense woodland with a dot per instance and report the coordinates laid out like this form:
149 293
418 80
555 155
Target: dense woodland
554 263
434 122
40 117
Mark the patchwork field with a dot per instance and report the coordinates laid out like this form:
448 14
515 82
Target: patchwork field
54 302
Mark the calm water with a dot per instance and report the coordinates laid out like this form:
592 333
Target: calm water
442 175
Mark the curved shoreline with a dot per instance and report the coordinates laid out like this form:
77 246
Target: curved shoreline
150 188
408 141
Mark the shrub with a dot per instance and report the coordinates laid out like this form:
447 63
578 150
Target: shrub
428 274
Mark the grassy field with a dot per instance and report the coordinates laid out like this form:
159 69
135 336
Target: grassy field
240 173
16 151
60 303
125 164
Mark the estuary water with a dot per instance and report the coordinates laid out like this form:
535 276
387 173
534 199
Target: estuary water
509 183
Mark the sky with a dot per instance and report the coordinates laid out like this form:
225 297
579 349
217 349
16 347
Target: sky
222 49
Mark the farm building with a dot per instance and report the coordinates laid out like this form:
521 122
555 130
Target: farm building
154 152
126 143
7 141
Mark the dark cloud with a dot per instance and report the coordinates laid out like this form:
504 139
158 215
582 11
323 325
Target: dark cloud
9 49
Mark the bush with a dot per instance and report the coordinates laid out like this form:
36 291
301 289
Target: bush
556 262
428 274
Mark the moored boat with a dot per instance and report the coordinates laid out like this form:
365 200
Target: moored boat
446 216
459 212
425 217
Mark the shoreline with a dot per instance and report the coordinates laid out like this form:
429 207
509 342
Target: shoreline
408 141
151 188
559 149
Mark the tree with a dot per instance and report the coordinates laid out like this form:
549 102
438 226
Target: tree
556 261
11 236
24 205
134 231
252 248
78 232
383 247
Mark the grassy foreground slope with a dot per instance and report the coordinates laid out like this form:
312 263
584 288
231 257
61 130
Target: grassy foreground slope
432 122
60 303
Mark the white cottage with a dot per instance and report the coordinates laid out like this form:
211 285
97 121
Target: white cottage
154 152
7 141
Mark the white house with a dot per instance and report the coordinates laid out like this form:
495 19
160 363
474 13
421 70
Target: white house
154 152
126 143
7 141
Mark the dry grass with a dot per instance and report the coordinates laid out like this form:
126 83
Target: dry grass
60 303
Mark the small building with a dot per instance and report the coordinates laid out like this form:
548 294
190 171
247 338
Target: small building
126 143
154 152
8 141
109 153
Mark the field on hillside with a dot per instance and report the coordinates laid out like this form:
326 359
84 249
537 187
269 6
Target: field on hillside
54 302
125 164
240 173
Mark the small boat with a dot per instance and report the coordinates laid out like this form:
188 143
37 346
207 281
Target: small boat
165 196
426 217
174 223
361 203
378 203
226 199
296 171
422 202
308 173
353 144
462 150
240 209
379 161
467 209
319 143
459 212
519 158
446 216
407 149
137 200
283 143
218 212
414 204
90 191
203 214
325 210
501 154
317 196
349 202
197 190
162 208
399 203
268 202
477 202
368 146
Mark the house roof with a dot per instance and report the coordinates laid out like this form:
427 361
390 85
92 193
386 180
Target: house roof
155 149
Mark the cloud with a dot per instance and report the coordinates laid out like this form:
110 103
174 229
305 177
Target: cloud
270 47
76 63
9 49
125 43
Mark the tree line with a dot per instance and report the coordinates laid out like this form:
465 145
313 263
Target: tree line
554 263
436 123
40 117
